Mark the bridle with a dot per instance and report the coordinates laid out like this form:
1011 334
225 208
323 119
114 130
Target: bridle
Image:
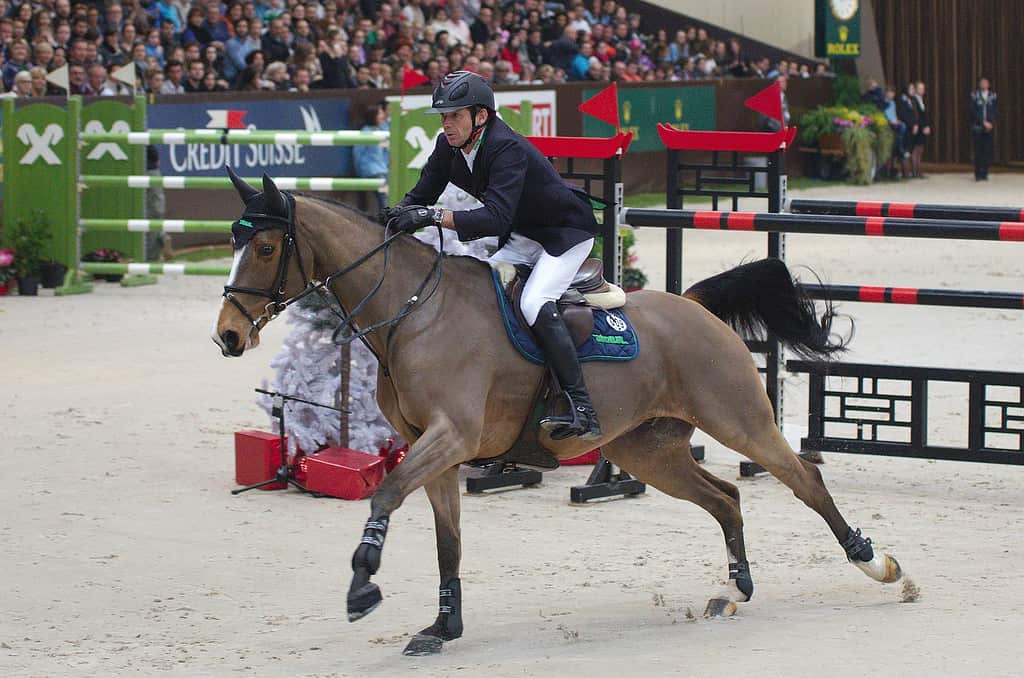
346 332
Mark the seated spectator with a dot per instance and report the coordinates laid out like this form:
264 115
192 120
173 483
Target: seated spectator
23 84
211 83
277 74
153 45
155 81
174 73
96 78
195 29
215 26
237 48
275 44
17 61
110 50
76 79
301 80
167 10
194 79
480 31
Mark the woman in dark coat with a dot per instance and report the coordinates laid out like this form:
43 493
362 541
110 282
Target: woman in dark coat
906 111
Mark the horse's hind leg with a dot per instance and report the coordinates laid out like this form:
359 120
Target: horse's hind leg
658 452
757 437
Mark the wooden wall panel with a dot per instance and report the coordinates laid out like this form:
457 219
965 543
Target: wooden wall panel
949 44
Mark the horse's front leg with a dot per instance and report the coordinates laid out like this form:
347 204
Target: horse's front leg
435 452
444 498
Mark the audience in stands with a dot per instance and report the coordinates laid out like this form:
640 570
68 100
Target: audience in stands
182 46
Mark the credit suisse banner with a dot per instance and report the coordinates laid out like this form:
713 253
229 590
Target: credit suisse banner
310 115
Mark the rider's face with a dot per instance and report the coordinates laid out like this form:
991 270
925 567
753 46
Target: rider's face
458 125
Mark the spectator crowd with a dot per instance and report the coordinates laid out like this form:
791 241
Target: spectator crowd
179 46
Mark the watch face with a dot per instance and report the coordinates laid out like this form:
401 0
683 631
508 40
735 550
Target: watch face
844 9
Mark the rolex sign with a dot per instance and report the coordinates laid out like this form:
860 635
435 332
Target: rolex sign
837 29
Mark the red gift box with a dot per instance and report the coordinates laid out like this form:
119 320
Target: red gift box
343 473
585 458
257 456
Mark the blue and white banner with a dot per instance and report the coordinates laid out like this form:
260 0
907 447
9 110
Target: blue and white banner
310 115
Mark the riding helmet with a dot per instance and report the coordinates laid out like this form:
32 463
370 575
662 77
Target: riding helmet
462 89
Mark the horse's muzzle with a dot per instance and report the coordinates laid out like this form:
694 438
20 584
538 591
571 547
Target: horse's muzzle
230 343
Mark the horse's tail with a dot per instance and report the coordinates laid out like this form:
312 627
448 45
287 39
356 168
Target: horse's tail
762 295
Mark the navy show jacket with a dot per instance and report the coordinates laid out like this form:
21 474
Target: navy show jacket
520 190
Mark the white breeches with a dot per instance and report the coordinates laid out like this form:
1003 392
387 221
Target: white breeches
551 276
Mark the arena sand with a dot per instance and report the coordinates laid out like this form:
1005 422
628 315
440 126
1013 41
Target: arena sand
124 554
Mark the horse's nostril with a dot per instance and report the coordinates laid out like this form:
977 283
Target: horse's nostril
230 339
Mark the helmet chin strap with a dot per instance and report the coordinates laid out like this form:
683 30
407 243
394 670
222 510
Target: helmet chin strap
476 131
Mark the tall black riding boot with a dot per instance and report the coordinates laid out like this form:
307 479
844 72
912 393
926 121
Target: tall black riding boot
560 351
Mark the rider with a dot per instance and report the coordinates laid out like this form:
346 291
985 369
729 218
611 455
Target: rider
540 220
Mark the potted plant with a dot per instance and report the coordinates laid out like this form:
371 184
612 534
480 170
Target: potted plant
7 275
28 238
51 273
105 255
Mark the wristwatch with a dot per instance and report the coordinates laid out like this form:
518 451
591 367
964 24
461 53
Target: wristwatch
438 214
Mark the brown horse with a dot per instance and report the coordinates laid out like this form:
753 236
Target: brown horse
455 388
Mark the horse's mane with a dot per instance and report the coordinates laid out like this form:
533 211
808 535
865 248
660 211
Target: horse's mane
360 214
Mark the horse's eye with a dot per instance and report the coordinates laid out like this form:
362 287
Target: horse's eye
266 250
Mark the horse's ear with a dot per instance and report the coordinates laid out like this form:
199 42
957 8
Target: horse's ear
245 191
273 200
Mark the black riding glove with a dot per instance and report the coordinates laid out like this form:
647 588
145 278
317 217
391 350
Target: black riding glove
385 215
414 217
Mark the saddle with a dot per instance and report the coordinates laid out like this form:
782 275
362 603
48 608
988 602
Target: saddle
589 290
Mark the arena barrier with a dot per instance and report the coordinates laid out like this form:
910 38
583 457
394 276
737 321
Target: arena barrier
909 210
853 407
82 168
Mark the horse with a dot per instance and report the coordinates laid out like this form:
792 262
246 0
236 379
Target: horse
451 383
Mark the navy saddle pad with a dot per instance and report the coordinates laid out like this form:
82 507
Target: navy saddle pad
613 338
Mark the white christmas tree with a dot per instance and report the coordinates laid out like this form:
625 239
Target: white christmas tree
309 364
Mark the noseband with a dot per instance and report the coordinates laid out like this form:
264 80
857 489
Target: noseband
346 330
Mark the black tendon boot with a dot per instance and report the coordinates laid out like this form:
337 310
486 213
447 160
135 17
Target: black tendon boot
560 351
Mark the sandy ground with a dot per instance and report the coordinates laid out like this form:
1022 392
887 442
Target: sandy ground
124 554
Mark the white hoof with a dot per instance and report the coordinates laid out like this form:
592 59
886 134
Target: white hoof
882 567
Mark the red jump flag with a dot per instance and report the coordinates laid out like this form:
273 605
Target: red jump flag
604 106
767 102
412 78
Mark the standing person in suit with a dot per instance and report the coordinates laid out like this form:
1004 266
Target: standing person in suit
984 107
539 218
906 111
924 129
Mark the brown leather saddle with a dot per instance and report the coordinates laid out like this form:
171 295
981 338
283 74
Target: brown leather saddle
589 290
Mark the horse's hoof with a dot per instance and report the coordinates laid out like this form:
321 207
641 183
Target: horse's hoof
720 607
882 567
363 601
421 645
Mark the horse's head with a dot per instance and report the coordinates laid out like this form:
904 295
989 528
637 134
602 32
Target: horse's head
269 266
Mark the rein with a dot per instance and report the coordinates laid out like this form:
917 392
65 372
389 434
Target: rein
347 329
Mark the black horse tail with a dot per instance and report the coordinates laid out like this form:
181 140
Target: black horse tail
762 296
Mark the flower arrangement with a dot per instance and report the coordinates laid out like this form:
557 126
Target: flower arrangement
863 131
104 255
7 273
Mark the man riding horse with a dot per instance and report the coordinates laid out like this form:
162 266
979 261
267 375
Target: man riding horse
551 230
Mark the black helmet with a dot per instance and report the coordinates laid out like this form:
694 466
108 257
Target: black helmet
462 89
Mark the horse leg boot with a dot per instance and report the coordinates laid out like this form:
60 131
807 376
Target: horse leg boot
560 351
444 498
433 453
